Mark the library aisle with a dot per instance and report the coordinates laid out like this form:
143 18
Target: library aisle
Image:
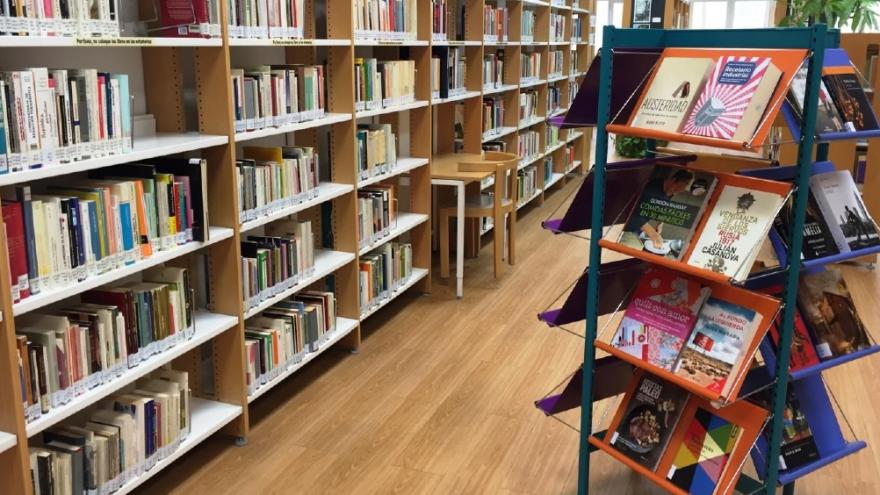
439 399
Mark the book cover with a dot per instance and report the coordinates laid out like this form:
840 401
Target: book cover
672 93
660 317
652 413
734 99
714 351
734 230
798 445
829 311
803 353
841 205
827 118
704 453
666 213
818 242
850 99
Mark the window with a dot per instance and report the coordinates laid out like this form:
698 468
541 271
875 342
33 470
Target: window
721 14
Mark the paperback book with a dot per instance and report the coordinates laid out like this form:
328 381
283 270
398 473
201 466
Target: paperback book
827 117
660 317
841 204
818 241
830 314
850 98
704 454
672 93
798 445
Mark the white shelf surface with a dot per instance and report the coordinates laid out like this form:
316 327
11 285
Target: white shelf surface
535 3
558 111
579 10
499 89
117 42
531 84
388 42
572 136
459 97
326 262
530 199
344 326
143 148
554 178
501 133
403 166
208 326
287 42
558 78
326 192
559 43
525 162
405 222
207 418
7 441
575 164
456 43
394 109
534 120
501 43
56 294
328 119
555 147
417 274
561 7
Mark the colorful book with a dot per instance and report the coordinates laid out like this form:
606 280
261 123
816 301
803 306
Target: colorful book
666 214
798 445
704 453
660 317
827 118
672 93
830 314
736 226
850 99
714 352
803 352
734 99
841 205
652 413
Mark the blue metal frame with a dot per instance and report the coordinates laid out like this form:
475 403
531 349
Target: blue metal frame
815 39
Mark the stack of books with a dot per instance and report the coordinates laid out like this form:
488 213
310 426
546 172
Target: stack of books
376 150
276 261
377 212
275 178
285 19
493 116
277 95
383 271
528 146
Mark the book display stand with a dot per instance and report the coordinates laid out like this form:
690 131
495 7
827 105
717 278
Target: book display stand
606 288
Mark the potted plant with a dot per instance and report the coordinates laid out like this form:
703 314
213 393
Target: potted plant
858 15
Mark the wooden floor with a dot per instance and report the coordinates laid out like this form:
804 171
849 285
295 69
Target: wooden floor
440 398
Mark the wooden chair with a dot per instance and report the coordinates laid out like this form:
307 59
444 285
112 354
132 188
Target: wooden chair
502 203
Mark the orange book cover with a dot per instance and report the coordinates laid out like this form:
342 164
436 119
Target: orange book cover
146 248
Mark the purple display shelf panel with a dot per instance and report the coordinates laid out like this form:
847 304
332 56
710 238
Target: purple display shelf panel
615 278
611 378
627 76
834 57
623 180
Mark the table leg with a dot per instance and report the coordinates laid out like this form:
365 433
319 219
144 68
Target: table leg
459 244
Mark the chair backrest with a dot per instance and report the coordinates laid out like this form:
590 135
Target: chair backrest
505 181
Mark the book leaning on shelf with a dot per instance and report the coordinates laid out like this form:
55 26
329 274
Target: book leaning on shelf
528 146
448 71
528 105
90 227
383 84
271 179
276 261
265 19
394 20
527 184
377 212
282 335
557 27
277 95
59 116
67 351
118 441
383 271
376 150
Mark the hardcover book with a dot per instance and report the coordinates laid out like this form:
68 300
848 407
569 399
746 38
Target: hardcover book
737 225
660 317
798 445
734 99
850 99
666 214
704 453
841 205
829 311
672 93
651 415
714 351
827 118
818 241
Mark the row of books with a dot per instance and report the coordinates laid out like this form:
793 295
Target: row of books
277 95
448 72
528 145
843 104
386 19
376 150
267 19
494 146
551 136
377 212
548 169
439 22
530 67
573 87
527 184
493 116
88 227
52 116
569 157
383 271
528 105
527 26
282 335
577 33
495 23
72 349
557 27
276 261
271 179
382 84
125 436
493 69
555 63
554 98
573 62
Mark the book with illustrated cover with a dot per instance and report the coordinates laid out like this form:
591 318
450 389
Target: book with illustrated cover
829 311
666 213
672 93
652 413
660 317
827 117
841 205
736 226
798 445
803 353
818 241
850 99
704 453
734 99
714 352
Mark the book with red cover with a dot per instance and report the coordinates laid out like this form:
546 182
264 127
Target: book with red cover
803 352
15 243
183 18
121 298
